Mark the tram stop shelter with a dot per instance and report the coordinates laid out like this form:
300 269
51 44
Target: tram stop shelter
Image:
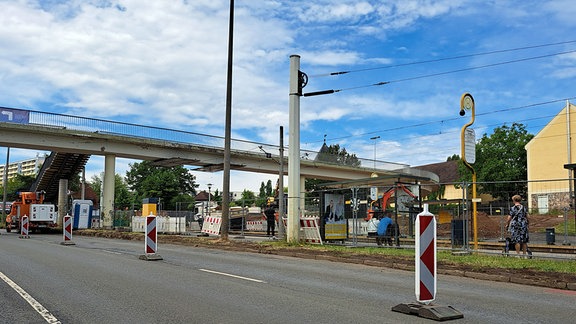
400 193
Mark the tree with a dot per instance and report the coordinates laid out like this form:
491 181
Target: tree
454 157
123 197
269 190
166 183
262 192
333 154
16 184
248 197
330 154
501 161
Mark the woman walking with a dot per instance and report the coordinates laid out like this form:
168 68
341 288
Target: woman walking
518 225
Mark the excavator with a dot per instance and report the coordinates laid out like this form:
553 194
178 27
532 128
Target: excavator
384 201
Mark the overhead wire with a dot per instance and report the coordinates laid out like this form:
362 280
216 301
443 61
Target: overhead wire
381 83
443 59
445 73
445 120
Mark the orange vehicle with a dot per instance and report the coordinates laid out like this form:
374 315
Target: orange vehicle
384 201
32 205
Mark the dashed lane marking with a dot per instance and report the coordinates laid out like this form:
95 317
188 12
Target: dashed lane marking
231 275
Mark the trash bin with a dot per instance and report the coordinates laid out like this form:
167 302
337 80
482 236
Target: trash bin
457 232
550 236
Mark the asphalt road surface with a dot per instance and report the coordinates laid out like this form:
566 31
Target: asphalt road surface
104 281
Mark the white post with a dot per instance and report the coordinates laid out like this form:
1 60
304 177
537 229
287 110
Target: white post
294 153
62 200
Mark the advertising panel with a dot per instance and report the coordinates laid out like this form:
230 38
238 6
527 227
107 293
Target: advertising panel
333 217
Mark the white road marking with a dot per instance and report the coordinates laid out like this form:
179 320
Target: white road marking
111 252
231 275
35 304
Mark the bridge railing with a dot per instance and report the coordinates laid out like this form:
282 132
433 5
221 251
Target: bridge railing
96 125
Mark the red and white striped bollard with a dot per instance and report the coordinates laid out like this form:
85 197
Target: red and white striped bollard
150 240
24 225
425 283
67 231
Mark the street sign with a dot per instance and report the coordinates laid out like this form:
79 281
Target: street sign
470 146
14 116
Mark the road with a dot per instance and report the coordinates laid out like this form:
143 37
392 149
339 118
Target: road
103 281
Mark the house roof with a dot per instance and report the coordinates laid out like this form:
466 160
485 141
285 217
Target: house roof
203 196
446 171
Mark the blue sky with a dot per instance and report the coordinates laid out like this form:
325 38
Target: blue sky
163 63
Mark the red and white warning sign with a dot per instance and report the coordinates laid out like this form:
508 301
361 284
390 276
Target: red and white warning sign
212 225
24 226
67 231
311 230
425 283
150 241
255 226
151 235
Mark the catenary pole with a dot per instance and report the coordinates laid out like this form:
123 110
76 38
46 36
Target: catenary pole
281 229
228 132
294 152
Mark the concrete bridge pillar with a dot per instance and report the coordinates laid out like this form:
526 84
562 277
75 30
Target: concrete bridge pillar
108 186
62 200
302 193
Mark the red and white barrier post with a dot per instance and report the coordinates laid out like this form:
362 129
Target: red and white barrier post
67 231
150 241
425 278
425 283
24 226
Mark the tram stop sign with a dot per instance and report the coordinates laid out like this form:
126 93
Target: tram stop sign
470 146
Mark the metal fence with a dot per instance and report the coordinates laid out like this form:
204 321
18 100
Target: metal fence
549 204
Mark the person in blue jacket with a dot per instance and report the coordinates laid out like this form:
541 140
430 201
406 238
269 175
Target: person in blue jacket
382 228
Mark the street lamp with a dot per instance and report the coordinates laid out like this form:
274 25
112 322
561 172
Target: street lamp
209 187
374 139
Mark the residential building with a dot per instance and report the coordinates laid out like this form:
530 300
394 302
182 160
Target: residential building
24 167
547 153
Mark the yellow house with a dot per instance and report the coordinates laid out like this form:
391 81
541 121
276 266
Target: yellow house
448 175
547 153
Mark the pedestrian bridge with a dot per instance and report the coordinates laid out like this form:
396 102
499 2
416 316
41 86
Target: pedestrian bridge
167 147
82 137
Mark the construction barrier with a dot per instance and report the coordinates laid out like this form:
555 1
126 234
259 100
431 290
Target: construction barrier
164 224
425 283
150 245
311 230
259 226
24 226
67 231
212 225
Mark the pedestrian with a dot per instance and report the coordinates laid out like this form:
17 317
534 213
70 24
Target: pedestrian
270 214
382 230
517 225
373 227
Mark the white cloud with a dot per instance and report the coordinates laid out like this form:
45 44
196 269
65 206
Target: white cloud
336 11
164 63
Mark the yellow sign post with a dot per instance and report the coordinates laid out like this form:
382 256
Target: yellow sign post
468 150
